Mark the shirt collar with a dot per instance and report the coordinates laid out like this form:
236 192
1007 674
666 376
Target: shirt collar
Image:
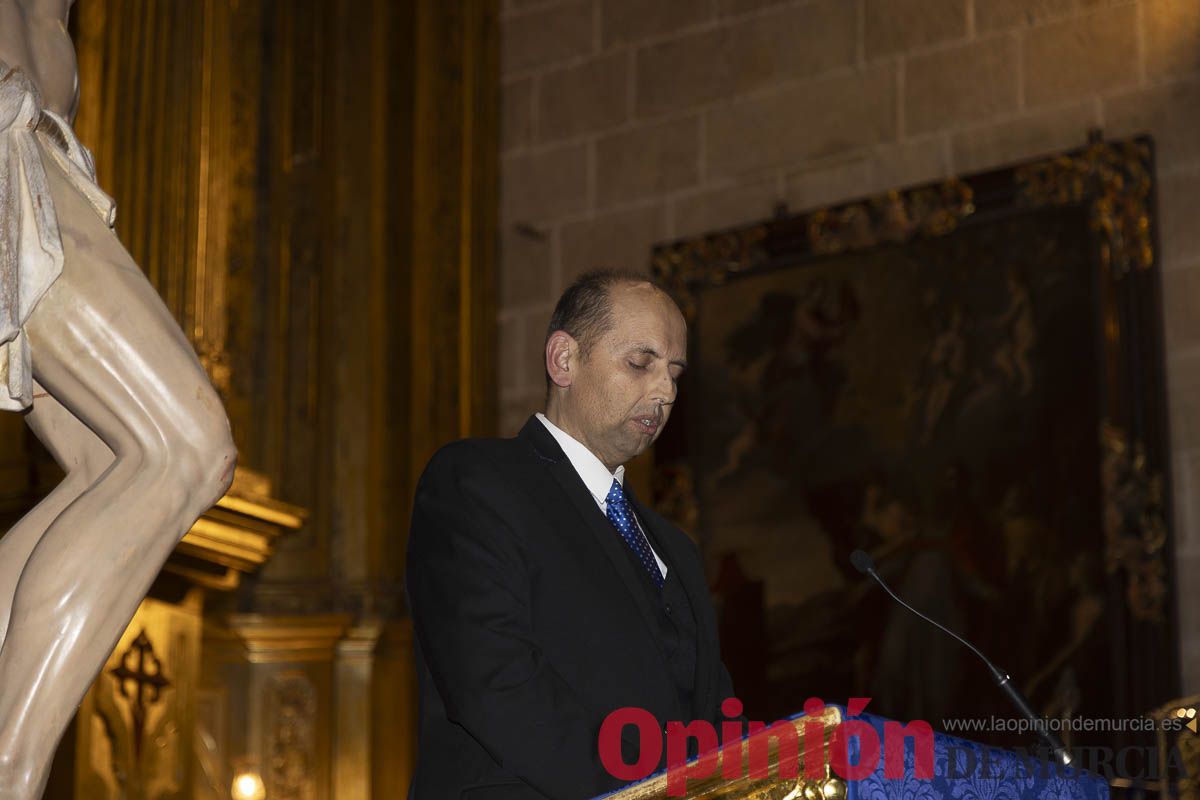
595 475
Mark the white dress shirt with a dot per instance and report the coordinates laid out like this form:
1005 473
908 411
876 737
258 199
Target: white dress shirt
595 476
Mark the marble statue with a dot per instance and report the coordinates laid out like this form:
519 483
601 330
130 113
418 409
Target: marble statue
107 381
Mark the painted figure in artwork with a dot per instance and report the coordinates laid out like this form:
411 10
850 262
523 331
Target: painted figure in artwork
107 381
1020 329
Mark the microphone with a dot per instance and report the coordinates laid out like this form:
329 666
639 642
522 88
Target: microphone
864 564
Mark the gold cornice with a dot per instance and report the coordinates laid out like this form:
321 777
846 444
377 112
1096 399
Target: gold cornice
361 639
270 639
266 509
236 536
227 545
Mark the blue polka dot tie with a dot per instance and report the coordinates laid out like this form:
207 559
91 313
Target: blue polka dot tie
621 516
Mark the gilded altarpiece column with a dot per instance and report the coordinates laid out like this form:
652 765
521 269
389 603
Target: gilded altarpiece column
311 186
169 104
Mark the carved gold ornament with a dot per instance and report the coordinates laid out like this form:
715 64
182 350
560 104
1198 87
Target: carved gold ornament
891 217
707 261
1135 527
1115 179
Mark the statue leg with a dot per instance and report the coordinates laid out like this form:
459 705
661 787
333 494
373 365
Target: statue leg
107 349
82 456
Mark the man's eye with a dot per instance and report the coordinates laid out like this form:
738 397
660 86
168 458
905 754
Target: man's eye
637 366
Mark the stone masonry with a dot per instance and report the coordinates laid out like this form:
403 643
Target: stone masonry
631 122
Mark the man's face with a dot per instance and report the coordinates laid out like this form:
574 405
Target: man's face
621 393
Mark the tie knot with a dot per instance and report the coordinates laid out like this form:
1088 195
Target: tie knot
616 495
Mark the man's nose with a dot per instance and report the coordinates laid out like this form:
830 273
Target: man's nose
664 388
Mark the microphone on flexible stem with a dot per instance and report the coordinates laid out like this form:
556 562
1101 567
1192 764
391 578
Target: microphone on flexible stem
863 563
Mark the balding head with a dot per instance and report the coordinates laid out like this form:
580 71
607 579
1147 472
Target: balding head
614 351
585 309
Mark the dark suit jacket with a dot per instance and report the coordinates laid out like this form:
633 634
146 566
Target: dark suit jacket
531 626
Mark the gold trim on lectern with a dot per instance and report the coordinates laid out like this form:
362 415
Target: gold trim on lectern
746 788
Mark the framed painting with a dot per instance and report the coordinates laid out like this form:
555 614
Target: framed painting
965 380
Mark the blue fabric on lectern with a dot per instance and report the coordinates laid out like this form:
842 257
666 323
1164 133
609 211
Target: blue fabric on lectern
1004 775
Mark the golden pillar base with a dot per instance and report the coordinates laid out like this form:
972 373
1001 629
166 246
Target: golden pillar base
320 708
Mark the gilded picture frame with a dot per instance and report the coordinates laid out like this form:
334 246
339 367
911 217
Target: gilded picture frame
965 379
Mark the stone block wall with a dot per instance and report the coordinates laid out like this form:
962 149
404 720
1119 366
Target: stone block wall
630 122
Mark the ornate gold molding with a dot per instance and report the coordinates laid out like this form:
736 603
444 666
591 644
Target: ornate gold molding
236 536
293 759
707 261
1115 179
289 639
892 217
895 216
1135 524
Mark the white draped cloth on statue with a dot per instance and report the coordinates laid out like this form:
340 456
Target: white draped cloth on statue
31 252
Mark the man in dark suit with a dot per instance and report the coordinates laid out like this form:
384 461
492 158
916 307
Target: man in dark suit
543 594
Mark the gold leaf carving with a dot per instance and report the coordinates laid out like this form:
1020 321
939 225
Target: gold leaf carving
892 217
1135 527
1115 180
292 755
707 261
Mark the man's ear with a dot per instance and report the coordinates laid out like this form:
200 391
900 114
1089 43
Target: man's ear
562 358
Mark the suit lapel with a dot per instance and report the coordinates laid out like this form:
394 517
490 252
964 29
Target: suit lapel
697 593
568 480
